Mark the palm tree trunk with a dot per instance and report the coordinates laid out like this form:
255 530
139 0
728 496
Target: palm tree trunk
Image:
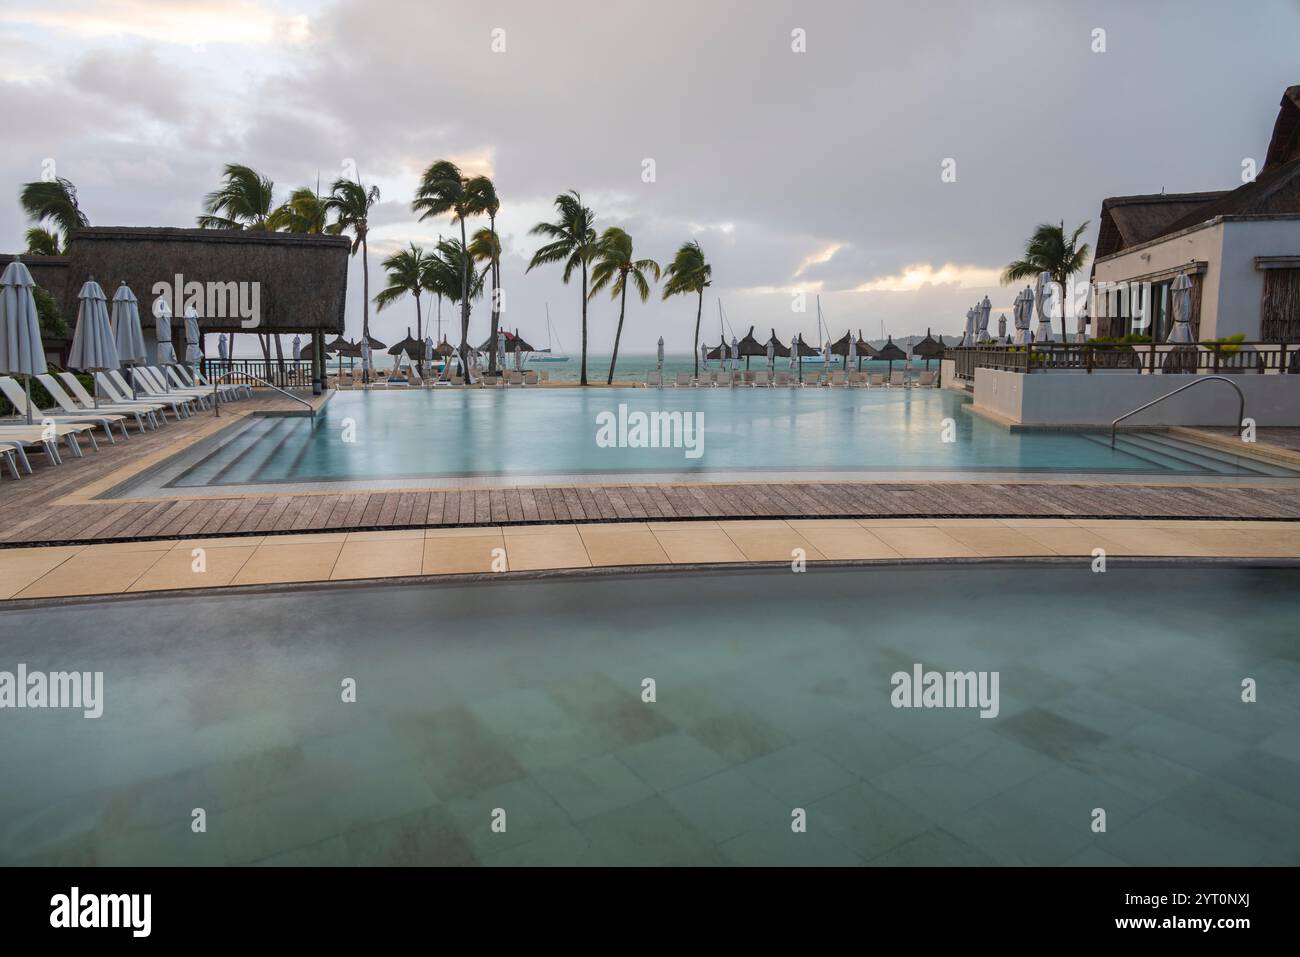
464 302
1065 296
699 311
365 292
496 305
279 360
584 322
622 308
419 332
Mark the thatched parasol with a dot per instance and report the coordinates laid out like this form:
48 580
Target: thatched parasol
840 347
781 351
720 351
928 349
749 347
891 352
413 349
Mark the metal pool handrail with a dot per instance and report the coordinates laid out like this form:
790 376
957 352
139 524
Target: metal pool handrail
216 393
1241 411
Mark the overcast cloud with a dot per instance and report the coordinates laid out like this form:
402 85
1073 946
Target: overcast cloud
817 171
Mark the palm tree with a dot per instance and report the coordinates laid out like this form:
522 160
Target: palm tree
1048 250
243 201
444 189
574 243
407 272
52 201
689 272
614 264
43 242
304 212
350 203
450 272
485 247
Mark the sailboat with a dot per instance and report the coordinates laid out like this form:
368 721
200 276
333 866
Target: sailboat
818 358
549 354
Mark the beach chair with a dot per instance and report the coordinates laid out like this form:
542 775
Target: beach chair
47 436
151 382
458 380
747 378
198 379
83 400
654 379
877 380
175 380
762 379
10 455
532 378
104 419
683 380
896 380
181 405
782 379
857 380
926 380
725 379
837 378
545 375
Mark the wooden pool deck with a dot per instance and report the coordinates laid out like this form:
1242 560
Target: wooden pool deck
57 504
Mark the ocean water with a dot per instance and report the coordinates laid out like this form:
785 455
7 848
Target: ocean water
633 368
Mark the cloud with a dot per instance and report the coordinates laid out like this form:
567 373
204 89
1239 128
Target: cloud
188 22
920 275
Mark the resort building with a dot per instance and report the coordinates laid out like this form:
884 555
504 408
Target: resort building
1240 248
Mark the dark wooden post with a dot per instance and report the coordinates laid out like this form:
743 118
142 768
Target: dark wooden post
317 361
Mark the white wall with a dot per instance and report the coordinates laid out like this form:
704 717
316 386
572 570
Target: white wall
1080 399
1200 245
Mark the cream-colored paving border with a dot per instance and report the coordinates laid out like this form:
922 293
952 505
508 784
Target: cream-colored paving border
122 567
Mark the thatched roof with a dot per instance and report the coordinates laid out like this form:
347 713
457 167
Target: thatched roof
302 280
804 349
1129 220
718 351
1284 146
841 346
513 343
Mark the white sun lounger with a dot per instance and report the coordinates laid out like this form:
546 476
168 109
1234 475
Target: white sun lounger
199 380
105 420
47 436
926 380
84 400
153 379
10 455
683 380
180 404
897 381
177 382
142 415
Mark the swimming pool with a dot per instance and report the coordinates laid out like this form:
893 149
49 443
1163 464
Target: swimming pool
1119 691
584 435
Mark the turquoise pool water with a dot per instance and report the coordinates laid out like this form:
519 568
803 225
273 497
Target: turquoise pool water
554 432
1119 691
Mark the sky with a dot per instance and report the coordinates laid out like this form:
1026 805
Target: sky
888 157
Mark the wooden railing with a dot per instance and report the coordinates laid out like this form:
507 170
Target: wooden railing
1154 358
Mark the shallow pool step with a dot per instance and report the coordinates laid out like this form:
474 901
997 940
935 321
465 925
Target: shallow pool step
277 444
211 468
1249 465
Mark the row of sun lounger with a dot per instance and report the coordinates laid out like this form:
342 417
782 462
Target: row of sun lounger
413 381
764 379
158 389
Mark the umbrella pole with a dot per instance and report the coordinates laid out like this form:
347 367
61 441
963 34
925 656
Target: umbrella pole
28 382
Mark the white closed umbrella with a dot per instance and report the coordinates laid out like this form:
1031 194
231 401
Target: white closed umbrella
1042 299
794 351
735 354
193 354
223 347
771 355
985 308
127 334
501 350
21 351
659 355
93 348
704 354
1082 319
365 355
162 324
852 355
297 348
428 348
1020 312
1181 300
826 354
1002 326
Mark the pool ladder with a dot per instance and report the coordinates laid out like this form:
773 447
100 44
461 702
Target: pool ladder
1241 411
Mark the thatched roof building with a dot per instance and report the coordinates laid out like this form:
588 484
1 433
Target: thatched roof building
294 282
